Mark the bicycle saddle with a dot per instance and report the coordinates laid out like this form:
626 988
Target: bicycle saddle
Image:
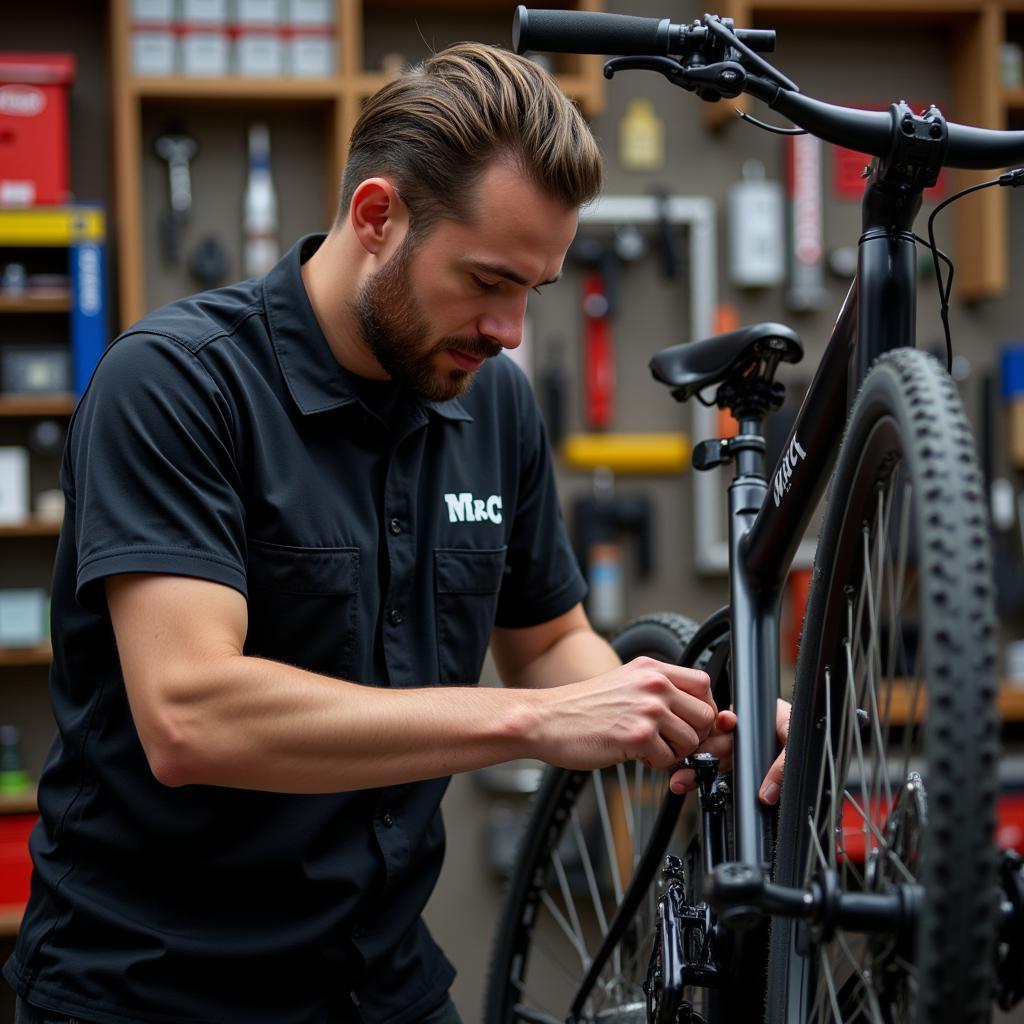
695 365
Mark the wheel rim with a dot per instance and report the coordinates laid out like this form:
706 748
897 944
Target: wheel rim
872 837
605 820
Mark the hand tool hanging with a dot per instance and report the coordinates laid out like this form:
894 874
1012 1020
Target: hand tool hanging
178 150
602 262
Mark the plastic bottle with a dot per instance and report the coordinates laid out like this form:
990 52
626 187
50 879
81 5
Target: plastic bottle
261 245
13 779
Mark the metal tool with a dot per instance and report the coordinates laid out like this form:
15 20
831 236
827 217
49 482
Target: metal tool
178 150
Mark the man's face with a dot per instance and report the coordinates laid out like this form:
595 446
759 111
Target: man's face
437 309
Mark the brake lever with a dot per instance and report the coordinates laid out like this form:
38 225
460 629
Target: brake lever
723 80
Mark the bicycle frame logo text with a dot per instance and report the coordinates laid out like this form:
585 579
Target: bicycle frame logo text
464 508
784 477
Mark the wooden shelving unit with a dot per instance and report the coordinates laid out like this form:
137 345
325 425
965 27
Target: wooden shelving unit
17 657
30 528
1010 702
341 96
36 405
48 302
977 29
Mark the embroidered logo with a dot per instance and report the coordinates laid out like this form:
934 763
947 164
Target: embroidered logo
464 508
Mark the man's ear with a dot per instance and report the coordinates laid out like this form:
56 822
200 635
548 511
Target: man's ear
377 214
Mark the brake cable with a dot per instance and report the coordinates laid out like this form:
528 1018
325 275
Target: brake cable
1011 179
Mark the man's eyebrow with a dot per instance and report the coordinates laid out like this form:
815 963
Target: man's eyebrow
508 273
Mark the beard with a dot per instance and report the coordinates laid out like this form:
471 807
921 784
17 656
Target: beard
393 326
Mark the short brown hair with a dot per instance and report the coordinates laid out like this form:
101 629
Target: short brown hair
433 130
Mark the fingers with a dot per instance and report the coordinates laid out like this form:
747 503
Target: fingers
719 743
782 712
772 785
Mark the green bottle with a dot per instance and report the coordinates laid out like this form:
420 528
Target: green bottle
13 779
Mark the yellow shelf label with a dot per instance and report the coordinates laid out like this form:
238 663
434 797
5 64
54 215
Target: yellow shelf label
56 225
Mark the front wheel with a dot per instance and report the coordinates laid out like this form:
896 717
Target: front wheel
894 727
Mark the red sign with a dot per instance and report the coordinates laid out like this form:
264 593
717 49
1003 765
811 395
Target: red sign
848 168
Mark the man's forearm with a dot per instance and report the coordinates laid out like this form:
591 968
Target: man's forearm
259 724
579 654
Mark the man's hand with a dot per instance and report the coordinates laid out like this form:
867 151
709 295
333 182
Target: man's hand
646 711
719 743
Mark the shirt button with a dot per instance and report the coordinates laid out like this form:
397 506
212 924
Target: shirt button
388 820
395 617
395 526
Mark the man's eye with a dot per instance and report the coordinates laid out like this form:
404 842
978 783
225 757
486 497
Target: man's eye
484 286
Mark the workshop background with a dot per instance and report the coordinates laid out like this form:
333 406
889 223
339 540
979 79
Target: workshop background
201 139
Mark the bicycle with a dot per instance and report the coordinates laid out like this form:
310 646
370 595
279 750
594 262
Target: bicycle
875 891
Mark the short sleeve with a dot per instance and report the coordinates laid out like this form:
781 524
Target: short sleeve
151 471
543 579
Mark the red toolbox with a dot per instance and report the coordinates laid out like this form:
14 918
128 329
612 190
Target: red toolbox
34 164
15 864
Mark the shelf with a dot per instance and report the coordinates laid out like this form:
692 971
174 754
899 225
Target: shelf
238 90
30 528
976 29
340 97
46 302
1013 100
10 919
19 657
1010 702
36 405
20 803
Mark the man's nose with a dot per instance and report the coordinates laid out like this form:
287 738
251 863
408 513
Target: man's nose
504 324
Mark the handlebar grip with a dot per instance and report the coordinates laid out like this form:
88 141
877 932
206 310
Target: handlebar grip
588 32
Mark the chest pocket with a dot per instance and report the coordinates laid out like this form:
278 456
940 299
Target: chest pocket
467 584
303 606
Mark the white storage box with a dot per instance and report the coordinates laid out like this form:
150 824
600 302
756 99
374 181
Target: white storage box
259 54
204 12
205 54
154 52
14 502
312 54
22 618
153 12
310 12
258 12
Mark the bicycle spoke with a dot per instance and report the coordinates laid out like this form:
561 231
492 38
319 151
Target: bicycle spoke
609 838
570 904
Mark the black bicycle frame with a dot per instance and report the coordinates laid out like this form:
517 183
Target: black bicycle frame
768 520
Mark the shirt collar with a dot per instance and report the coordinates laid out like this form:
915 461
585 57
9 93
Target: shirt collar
316 380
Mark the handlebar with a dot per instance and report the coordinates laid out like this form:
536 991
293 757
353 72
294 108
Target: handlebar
623 34
867 131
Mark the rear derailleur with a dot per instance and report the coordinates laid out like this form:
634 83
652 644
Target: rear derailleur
683 954
685 950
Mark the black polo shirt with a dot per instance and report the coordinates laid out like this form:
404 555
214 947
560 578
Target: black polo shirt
220 439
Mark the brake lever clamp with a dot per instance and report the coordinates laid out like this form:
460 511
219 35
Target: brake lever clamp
711 82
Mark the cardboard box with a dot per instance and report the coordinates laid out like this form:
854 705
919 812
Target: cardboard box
34 164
